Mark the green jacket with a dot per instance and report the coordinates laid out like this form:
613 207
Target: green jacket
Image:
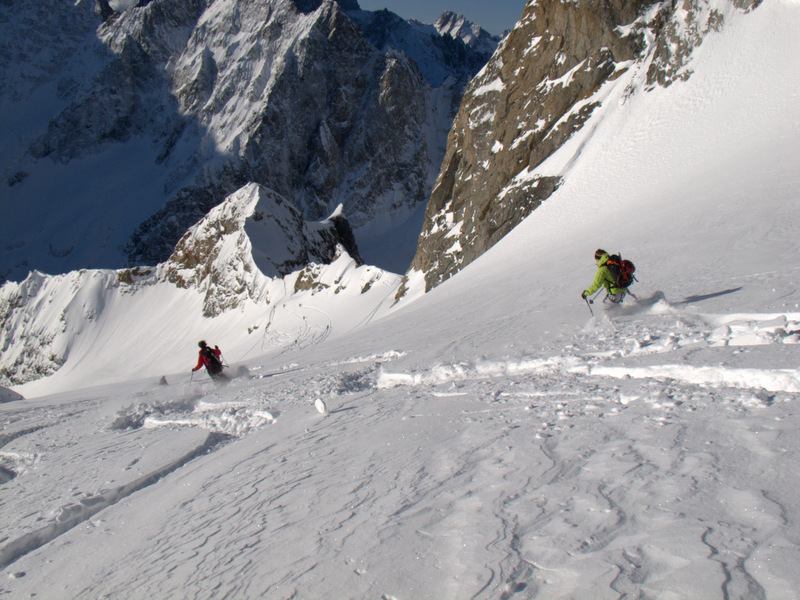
604 278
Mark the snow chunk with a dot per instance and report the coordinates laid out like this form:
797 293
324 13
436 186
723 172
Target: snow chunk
496 85
773 380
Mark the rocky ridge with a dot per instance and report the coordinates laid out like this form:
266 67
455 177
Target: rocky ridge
254 237
455 25
253 248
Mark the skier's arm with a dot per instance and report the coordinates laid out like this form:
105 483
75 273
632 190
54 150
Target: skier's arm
200 363
599 281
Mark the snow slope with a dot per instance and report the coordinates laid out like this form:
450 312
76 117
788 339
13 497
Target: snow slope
272 279
490 439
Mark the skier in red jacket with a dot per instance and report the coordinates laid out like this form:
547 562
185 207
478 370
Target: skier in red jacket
210 359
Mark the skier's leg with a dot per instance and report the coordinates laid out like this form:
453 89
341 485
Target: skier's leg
612 299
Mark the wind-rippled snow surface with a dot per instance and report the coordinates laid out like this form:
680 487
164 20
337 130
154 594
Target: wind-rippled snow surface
615 467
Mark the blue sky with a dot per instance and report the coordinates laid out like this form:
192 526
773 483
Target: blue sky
494 15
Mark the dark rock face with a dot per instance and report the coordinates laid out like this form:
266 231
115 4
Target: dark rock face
534 94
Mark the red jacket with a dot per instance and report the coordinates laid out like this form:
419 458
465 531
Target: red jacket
203 361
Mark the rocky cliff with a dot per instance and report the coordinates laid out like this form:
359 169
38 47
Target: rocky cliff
539 89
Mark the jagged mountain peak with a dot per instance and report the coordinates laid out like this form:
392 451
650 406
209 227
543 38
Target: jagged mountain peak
439 54
451 22
254 233
457 26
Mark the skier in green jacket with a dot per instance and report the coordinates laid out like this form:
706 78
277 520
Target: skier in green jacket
605 279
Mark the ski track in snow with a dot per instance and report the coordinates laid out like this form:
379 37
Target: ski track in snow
666 486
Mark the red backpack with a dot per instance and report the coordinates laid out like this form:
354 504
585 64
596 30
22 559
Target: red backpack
621 270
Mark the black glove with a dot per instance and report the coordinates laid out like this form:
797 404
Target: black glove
583 294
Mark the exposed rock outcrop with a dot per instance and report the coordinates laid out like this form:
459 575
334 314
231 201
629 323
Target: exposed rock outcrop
254 234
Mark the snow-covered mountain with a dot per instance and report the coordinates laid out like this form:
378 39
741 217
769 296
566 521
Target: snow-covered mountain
122 129
552 73
456 26
248 262
488 439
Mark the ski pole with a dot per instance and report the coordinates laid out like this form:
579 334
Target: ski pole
585 299
590 302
